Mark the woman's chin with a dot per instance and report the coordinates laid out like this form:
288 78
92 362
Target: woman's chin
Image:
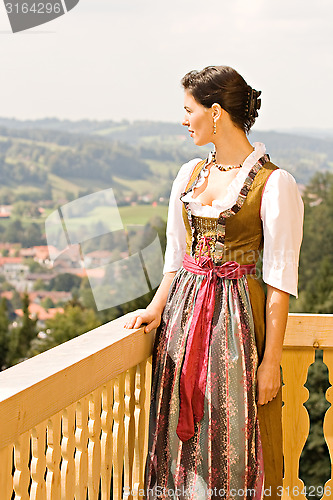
199 142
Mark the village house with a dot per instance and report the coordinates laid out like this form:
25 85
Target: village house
13 269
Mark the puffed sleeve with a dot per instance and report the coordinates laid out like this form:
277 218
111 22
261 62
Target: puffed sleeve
282 213
176 232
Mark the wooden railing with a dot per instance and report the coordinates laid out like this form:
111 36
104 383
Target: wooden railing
305 333
74 420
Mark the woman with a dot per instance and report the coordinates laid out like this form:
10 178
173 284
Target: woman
215 419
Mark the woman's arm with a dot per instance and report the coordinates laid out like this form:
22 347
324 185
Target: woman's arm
268 373
175 250
282 216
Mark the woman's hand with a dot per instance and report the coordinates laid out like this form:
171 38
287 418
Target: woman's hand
150 316
268 381
268 373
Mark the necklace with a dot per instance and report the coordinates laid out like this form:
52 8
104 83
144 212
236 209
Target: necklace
223 167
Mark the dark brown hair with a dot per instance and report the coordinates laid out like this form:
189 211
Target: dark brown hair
223 85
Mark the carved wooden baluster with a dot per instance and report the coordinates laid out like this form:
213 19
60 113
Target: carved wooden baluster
296 422
38 462
106 440
129 428
6 479
81 453
148 375
94 444
140 427
53 457
67 449
118 436
328 420
22 471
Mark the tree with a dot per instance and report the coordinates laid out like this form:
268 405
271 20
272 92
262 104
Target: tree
22 335
316 257
65 326
39 285
35 267
47 303
4 333
14 232
65 282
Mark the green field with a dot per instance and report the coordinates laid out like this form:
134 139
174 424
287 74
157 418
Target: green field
136 214
140 214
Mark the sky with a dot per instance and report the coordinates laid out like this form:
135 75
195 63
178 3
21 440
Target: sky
123 59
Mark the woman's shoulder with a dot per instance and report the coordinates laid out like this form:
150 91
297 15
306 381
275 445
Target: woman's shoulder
185 171
281 190
280 178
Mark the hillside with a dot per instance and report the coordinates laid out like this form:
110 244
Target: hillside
62 159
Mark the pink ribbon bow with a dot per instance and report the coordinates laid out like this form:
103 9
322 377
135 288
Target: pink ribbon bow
194 371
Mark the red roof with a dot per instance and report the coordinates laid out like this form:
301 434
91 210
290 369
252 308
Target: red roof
10 260
53 295
40 312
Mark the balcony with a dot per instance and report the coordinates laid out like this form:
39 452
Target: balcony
74 420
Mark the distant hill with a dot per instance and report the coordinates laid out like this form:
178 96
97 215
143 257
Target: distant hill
50 157
310 132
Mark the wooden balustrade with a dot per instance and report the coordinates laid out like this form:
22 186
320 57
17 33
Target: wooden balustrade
74 420
305 333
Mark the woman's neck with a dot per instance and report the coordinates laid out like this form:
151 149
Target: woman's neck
232 148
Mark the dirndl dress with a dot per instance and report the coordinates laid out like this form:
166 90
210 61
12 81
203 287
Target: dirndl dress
204 436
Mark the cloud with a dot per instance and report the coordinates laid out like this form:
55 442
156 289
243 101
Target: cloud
114 60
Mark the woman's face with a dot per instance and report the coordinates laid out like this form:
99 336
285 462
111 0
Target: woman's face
199 120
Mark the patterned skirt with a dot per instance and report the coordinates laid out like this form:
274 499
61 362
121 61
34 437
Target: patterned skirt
223 459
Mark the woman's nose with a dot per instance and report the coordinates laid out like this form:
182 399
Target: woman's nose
185 122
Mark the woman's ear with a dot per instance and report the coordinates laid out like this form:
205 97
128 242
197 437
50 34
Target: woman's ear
216 111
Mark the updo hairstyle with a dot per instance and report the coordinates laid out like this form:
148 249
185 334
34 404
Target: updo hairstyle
223 85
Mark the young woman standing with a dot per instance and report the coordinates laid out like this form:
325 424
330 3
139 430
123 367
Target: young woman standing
215 419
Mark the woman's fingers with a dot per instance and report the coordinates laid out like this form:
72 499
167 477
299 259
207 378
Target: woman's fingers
131 322
266 395
153 324
133 319
143 317
268 382
138 322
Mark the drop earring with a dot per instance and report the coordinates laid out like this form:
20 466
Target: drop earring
214 132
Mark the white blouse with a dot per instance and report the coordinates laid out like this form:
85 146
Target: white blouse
281 213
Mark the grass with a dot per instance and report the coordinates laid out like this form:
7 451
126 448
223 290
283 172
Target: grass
140 214
133 214
61 185
138 186
163 168
51 145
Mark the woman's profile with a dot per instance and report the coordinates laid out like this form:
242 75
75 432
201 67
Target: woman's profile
215 417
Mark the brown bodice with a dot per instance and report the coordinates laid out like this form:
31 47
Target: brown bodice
237 234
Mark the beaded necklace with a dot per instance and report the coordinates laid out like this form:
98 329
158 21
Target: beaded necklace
223 168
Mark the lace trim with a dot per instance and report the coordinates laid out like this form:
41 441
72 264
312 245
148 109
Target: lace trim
224 215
